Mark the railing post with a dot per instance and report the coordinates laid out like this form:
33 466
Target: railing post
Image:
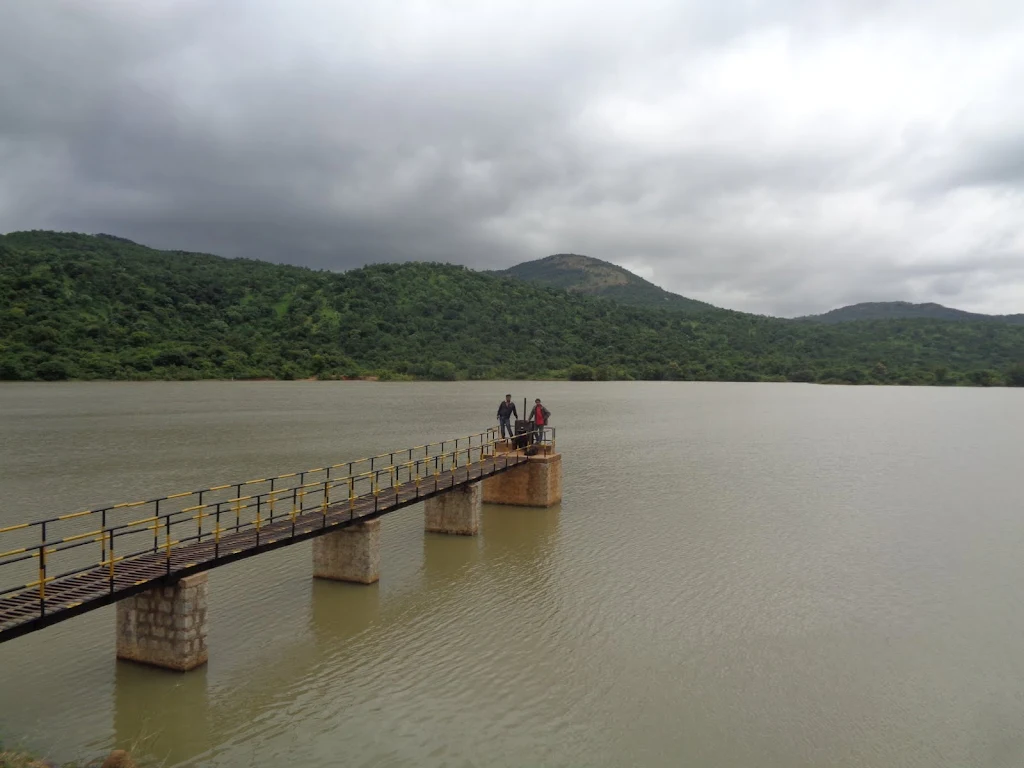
167 538
238 508
111 549
259 510
42 572
199 520
259 518
216 534
327 495
103 538
156 527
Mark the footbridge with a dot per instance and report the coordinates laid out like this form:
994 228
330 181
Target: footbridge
151 557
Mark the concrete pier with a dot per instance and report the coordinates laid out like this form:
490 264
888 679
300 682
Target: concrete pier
457 511
166 626
349 554
538 483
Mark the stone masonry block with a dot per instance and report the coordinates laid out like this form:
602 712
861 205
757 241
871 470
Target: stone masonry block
349 554
155 628
538 483
457 511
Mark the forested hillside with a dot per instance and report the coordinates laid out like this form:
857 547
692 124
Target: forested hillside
98 307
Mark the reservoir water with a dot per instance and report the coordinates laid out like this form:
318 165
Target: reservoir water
738 575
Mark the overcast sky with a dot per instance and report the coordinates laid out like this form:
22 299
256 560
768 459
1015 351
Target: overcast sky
773 156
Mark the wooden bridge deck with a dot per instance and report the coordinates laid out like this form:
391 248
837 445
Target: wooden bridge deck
27 610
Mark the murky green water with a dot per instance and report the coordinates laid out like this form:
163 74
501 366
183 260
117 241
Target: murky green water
762 575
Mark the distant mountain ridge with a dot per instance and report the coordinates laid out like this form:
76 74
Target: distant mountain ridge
593 277
892 310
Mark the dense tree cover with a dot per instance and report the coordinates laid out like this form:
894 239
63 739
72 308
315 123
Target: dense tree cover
98 307
886 310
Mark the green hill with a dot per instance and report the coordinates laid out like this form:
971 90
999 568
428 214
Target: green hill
100 307
887 310
593 277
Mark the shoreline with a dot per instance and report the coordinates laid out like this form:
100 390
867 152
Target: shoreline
378 380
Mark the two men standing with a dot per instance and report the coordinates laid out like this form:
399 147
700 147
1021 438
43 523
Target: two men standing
507 409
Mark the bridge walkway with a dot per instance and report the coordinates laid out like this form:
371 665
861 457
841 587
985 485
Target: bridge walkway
237 525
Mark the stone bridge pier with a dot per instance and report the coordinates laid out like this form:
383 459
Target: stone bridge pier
537 483
165 626
456 512
349 554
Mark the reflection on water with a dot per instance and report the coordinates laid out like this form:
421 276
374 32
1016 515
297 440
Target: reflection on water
779 576
161 713
448 559
342 611
520 536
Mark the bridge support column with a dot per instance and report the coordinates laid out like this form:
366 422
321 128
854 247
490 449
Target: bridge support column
349 554
457 511
537 483
165 626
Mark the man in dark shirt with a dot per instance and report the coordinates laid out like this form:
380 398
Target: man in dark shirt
506 409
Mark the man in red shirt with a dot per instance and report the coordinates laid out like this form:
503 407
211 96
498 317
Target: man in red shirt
540 417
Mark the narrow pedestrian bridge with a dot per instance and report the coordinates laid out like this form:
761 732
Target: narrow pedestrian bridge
150 557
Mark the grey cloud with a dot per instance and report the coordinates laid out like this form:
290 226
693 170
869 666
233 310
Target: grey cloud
779 157
996 163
